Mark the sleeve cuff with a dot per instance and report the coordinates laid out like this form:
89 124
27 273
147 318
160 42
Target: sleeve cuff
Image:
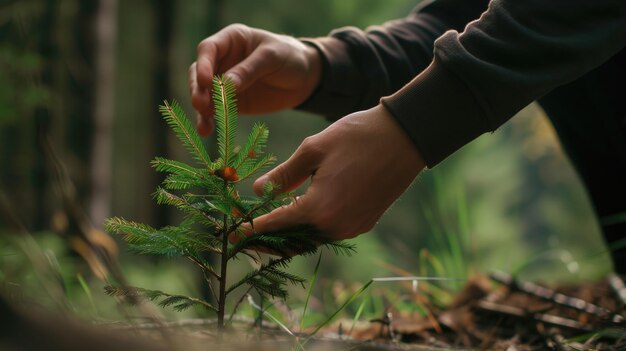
439 113
335 97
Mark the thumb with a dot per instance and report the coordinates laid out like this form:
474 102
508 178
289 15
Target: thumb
291 173
281 218
257 65
284 217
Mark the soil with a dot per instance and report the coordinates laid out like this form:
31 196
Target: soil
509 315
516 316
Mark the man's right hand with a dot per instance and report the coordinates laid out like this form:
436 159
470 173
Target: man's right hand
271 72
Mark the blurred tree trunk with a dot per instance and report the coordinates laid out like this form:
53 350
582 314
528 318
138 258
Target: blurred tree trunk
143 83
22 176
51 41
165 14
72 131
104 107
43 115
135 112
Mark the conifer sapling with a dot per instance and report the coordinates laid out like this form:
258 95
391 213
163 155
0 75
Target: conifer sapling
207 195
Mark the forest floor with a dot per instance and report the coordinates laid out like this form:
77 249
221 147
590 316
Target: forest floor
518 316
512 316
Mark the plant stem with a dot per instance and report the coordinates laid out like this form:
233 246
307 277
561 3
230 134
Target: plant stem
222 281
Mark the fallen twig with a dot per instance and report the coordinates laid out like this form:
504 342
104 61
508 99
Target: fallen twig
557 298
193 322
541 317
618 286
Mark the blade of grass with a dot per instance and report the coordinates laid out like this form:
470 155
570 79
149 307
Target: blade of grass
309 290
87 290
332 316
609 333
465 230
357 315
270 316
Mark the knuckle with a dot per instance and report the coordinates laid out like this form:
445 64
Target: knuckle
310 147
237 30
269 53
236 27
205 45
283 176
242 70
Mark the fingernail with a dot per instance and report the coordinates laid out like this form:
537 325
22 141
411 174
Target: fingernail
262 180
234 78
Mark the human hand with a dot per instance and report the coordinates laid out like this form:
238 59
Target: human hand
358 167
271 72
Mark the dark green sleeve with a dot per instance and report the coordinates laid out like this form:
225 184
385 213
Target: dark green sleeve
482 74
362 66
517 52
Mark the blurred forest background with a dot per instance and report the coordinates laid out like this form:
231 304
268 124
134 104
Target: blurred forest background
85 77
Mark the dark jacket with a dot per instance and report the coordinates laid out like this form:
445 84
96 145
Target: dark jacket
455 69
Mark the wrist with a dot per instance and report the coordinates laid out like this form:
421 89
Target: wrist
314 68
388 126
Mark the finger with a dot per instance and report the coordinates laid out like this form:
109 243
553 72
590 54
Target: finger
228 45
246 230
204 125
201 101
293 172
261 62
284 217
207 59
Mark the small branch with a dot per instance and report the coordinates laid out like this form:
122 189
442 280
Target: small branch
246 217
202 302
617 284
556 341
209 218
541 317
210 285
226 117
204 267
261 269
243 297
550 295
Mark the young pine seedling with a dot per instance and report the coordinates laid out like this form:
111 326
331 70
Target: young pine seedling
207 195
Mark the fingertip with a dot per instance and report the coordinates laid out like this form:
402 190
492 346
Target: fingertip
259 184
245 229
235 78
283 217
233 238
204 125
204 72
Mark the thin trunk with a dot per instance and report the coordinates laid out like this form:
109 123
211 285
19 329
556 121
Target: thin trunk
101 158
222 281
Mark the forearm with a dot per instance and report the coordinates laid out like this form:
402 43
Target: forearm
362 66
517 52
